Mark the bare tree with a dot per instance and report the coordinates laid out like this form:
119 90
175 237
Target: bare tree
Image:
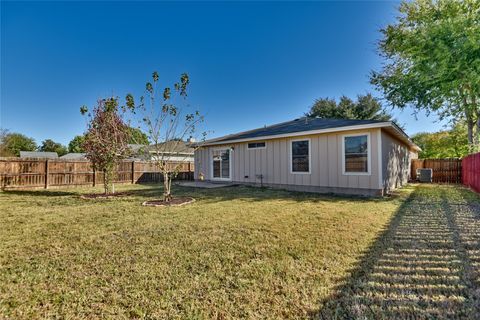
168 126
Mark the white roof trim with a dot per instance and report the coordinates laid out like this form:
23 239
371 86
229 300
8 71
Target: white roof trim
171 152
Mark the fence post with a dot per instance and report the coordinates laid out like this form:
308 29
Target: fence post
94 176
133 171
46 174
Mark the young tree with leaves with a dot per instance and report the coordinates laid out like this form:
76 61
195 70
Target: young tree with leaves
136 136
432 55
106 139
365 108
167 124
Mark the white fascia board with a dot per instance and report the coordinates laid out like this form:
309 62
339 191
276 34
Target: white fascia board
172 152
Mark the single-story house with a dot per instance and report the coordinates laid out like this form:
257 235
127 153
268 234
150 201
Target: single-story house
38 155
74 156
175 150
361 157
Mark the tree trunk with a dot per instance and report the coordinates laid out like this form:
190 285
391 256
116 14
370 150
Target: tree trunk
470 122
470 131
470 135
106 182
167 196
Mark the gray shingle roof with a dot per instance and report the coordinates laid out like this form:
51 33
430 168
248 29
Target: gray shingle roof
304 124
173 147
180 147
74 156
38 154
297 125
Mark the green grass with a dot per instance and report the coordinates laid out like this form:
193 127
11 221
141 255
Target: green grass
426 265
237 252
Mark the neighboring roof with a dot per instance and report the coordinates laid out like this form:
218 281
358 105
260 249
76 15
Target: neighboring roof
74 156
169 147
305 125
173 147
136 147
38 154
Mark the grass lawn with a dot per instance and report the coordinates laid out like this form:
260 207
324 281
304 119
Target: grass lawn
236 252
426 265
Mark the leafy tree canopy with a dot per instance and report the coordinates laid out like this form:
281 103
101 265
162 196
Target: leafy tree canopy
137 136
432 59
76 144
12 143
3 150
365 108
51 146
452 143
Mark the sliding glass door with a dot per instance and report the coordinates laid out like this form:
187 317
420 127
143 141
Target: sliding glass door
221 164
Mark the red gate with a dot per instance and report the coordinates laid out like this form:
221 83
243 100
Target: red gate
471 171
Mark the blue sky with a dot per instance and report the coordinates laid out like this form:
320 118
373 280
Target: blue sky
250 64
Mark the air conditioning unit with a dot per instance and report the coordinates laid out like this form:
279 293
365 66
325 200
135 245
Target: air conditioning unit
425 175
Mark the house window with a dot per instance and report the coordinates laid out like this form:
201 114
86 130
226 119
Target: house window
256 145
301 156
356 154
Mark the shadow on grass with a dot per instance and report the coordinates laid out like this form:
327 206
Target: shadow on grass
41 193
252 193
418 268
229 193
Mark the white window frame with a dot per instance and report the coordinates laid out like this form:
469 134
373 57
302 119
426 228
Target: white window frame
256 148
229 165
369 155
309 156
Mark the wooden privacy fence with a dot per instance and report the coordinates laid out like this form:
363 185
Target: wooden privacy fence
444 170
471 171
34 173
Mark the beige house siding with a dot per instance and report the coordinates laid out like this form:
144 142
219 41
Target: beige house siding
273 162
396 162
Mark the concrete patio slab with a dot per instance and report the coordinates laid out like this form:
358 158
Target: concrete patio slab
204 184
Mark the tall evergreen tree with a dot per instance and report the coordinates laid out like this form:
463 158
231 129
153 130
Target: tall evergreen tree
365 108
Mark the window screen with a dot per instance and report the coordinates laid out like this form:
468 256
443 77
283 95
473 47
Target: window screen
356 154
300 156
254 145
